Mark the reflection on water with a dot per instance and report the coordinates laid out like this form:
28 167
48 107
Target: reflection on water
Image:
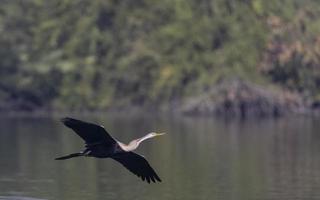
197 159
17 198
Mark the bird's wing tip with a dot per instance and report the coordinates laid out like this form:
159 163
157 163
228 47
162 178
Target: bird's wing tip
67 119
64 119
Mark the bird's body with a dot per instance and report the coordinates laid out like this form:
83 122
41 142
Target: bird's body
101 150
100 144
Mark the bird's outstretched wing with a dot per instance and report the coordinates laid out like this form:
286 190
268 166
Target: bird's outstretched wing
91 133
138 165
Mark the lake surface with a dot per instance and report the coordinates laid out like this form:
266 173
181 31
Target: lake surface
199 158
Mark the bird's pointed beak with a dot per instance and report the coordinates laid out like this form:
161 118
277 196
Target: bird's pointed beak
158 134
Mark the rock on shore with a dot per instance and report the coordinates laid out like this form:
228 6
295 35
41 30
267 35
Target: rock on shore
237 98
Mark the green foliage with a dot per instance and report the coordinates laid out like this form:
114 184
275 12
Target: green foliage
292 57
76 54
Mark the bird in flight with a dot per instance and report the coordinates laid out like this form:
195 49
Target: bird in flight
100 144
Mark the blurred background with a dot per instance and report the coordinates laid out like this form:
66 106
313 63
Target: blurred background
253 64
204 57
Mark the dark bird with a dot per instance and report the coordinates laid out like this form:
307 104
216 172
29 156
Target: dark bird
100 144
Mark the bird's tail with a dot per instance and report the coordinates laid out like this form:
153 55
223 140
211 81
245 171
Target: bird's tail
69 156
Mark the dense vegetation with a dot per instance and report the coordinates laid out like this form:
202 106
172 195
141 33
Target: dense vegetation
77 54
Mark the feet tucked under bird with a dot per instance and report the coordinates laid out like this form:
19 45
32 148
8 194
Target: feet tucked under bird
100 144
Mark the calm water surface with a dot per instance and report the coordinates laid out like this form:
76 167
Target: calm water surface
198 159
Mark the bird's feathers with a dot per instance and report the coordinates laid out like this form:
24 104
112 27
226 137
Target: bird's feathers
90 133
95 135
138 165
69 156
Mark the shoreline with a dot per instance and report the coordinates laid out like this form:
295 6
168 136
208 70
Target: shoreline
228 99
143 111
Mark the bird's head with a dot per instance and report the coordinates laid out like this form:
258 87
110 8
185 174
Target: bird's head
136 142
151 135
154 134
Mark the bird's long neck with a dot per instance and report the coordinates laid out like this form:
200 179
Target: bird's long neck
133 144
139 140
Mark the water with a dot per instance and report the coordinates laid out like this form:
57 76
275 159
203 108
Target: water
199 158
